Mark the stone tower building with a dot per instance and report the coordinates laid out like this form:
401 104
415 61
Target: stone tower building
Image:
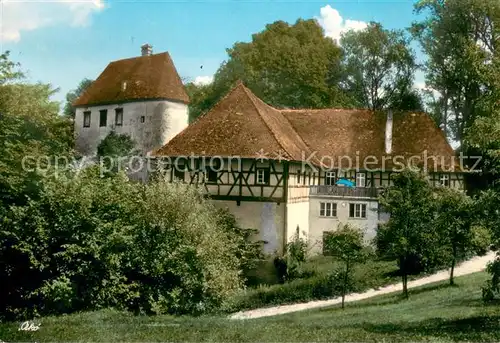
142 96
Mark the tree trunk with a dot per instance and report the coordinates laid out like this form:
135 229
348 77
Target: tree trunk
453 262
404 277
344 286
405 285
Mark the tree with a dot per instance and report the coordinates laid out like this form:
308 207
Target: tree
114 149
32 134
379 69
487 208
461 39
346 243
409 233
455 224
74 94
285 65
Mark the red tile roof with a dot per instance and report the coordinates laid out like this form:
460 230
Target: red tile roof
241 125
139 78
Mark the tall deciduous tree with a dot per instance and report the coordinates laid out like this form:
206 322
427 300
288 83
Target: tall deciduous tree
409 231
32 133
69 110
379 68
461 39
285 65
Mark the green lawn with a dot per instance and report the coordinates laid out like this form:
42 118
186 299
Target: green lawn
435 312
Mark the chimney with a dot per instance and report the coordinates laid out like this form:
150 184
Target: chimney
146 50
388 133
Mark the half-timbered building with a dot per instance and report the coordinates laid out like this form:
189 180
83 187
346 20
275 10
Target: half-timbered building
279 170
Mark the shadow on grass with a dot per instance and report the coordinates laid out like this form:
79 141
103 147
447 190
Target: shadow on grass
396 297
468 327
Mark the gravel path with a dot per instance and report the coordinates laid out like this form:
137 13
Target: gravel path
474 265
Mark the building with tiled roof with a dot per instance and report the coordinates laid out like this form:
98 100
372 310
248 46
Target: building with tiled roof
141 96
306 171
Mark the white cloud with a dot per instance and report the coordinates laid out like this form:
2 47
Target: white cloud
203 80
19 16
334 25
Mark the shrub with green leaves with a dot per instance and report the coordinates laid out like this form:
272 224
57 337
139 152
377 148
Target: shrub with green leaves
91 242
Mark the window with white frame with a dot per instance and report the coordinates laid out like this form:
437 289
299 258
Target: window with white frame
357 210
262 176
330 178
360 179
444 180
86 119
327 209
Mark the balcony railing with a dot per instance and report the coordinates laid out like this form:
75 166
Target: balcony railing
360 192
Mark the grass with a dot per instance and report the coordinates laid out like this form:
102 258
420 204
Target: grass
316 284
435 312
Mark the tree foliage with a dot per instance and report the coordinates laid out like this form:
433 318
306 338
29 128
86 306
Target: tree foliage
74 94
89 242
455 223
461 39
32 134
409 233
379 67
285 65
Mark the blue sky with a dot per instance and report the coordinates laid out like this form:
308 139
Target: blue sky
62 42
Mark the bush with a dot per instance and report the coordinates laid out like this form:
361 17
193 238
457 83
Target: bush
481 240
295 256
248 250
92 242
491 290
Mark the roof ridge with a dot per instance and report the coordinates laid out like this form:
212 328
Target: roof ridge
135 57
218 102
250 96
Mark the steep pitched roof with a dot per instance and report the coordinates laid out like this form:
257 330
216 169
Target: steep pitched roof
241 125
138 78
340 132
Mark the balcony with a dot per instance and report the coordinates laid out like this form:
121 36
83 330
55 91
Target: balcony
361 192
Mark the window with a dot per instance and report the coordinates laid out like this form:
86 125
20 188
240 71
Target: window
262 176
444 180
86 119
119 116
361 180
327 209
298 177
330 178
103 117
179 174
357 210
212 176
143 119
